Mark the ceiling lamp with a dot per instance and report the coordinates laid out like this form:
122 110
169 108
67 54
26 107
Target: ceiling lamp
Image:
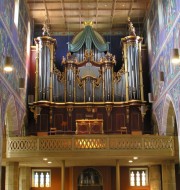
175 56
8 67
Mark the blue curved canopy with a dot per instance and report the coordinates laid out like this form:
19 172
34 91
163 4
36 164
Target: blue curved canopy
88 36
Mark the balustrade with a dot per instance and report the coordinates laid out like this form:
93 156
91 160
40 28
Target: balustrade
78 143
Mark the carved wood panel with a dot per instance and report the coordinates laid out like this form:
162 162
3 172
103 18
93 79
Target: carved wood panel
44 122
58 119
120 121
135 121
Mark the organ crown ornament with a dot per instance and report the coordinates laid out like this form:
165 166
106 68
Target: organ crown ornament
131 28
46 29
88 23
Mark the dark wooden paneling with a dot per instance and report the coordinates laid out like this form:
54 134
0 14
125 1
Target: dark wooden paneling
79 116
120 121
58 118
44 122
135 121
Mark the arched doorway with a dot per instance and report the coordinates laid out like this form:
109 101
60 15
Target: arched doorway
90 179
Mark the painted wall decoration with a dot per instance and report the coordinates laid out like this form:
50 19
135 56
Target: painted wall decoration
154 79
164 29
169 12
175 94
8 49
4 96
152 12
7 12
155 40
13 43
176 34
158 113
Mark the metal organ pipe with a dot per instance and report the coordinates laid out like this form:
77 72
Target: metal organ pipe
45 50
137 73
132 66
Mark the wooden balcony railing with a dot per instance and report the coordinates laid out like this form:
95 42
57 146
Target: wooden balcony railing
116 144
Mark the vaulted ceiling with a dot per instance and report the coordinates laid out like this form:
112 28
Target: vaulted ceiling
107 15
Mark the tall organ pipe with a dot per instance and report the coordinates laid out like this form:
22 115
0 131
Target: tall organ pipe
132 60
45 47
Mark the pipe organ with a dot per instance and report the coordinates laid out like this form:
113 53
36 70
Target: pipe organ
133 67
88 79
45 47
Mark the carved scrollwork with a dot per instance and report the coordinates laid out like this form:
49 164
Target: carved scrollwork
131 28
36 111
79 79
108 109
69 110
88 56
108 58
99 79
118 75
69 59
60 75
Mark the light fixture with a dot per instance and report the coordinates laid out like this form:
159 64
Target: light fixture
49 162
45 159
21 83
8 67
130 161
175 56
135 157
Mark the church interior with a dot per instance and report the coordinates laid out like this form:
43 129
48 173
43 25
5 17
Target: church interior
89 94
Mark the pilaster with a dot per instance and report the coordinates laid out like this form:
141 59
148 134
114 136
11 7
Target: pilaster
25 178
168 176
155 177
12 176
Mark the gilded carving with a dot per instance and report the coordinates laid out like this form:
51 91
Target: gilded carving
119 74
79 79
36 111
99 79
69 110
108 109
60 75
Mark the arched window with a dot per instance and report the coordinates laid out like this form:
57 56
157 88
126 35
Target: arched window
41 178
16 12
138 177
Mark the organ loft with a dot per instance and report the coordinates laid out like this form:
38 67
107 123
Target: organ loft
85 94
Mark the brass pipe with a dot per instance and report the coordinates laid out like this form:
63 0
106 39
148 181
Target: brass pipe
37 73
126 70
51 73
140 72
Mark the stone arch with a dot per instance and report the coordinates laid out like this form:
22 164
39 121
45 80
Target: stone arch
11 118
169 121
